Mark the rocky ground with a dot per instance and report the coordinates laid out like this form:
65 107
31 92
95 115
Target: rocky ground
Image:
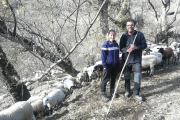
161 92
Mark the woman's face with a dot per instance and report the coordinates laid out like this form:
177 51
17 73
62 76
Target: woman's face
112 36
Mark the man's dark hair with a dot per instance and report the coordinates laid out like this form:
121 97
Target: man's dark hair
131 20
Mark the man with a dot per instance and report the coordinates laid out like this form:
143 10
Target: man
135 57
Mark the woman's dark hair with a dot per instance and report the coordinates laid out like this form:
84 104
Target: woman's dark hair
131 20
111 31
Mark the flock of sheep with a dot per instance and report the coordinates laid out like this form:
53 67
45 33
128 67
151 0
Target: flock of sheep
158 55
46 101
49 100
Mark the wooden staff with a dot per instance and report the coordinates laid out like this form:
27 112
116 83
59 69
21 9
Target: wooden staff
120 77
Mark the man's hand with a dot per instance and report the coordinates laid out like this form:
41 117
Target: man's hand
132 47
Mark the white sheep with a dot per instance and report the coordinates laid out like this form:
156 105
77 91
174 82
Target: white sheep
40 96
59 85
174 45
76 81
156 48
98 63
38 107
151 61
176 56
81 76
69 84
19 111
53 99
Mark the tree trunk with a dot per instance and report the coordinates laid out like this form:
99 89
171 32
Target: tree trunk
104 17
10 77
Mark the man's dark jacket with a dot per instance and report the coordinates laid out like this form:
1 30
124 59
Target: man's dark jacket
126 40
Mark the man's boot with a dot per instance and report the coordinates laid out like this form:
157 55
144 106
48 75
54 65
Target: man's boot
127 88
136 91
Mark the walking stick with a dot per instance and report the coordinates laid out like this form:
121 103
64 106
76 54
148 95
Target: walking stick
120 77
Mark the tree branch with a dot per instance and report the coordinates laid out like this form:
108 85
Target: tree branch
153 9
75 46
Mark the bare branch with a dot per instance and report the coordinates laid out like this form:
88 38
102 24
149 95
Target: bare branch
75 46
76 22
153 9
172 13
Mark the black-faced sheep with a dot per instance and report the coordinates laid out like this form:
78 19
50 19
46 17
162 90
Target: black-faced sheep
167 53
98 69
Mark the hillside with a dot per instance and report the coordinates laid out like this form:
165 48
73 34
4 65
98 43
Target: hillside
162 93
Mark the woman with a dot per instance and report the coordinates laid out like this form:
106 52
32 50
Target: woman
111 64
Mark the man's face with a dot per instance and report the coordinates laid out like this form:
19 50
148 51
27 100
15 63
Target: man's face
130 27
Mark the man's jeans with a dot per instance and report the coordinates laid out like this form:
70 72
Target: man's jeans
136 67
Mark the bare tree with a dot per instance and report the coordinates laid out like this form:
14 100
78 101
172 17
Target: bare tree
44 37
164 20
104 17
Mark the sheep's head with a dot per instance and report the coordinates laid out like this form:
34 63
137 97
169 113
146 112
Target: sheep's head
161 50
97 67
46 101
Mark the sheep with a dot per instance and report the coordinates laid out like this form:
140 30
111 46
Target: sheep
167 53
151 61
37 97
176 56
156 48
146 51
19 111
53 99
81 76
69 84
77 82
90 72
59 85
98 63
38 107
98 69
174 45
